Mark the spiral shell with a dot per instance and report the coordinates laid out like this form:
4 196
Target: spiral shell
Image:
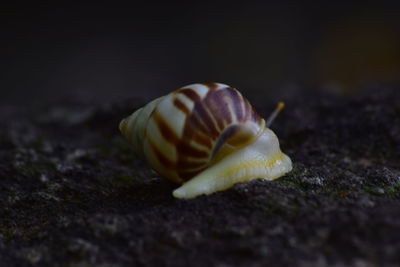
181 133
191 129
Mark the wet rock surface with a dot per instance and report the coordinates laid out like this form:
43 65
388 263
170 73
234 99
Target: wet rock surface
73 194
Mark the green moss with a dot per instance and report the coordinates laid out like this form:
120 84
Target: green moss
124 151
124 179
273 209
385 191
34 169
6 234
292 183
38 144
119 148
121 181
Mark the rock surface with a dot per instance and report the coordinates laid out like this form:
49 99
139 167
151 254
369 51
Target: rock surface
73 194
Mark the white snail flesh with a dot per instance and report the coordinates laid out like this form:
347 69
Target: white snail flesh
206 137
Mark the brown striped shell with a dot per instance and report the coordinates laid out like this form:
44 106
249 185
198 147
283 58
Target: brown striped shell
190 129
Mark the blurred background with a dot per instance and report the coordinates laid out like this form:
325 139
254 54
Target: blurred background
104 53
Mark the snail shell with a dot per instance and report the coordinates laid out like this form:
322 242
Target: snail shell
206 137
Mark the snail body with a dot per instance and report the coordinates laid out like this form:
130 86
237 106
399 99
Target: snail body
206 137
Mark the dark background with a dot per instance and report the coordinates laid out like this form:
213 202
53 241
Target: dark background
72 193
103 53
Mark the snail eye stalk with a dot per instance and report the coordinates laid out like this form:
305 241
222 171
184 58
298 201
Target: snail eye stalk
274 114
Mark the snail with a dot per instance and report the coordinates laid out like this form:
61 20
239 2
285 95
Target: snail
206 137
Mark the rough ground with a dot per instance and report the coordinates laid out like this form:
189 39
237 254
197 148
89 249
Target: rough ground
72 194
